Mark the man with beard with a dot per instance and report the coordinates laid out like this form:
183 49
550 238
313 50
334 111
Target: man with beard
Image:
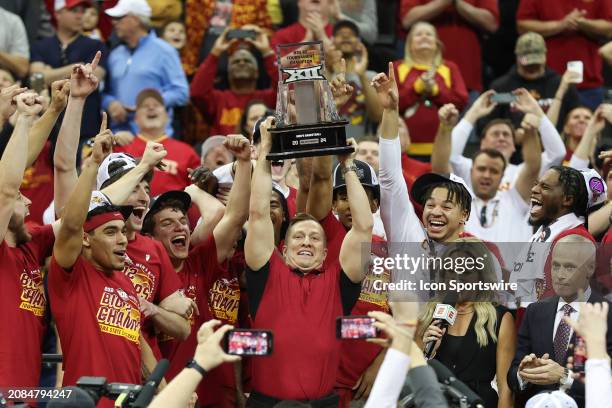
499 134
152 119
23 253
205 269
496 216
559 204
223 108
95 306
297 291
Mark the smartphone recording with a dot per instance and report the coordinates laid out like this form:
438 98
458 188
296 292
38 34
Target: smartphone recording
355 327
242 342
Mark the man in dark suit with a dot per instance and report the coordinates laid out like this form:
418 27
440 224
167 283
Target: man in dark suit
544 337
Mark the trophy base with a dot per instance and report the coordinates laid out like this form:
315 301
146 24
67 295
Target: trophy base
320 139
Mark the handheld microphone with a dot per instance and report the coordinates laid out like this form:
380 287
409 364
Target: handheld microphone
443 316
148 389
447 377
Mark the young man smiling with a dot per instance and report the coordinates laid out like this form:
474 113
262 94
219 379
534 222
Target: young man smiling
293 292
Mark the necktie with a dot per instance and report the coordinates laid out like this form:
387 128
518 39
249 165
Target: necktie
483 216
562 335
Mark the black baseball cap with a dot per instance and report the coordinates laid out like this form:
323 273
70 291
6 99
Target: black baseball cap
157 202
424 182
365 173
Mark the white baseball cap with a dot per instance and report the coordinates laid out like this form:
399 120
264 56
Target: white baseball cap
125 162
125 7
596 187
555 399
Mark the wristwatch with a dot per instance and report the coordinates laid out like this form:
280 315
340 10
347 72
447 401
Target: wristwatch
565 378
194 364
352 167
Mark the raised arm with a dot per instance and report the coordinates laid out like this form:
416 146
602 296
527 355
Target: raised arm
69 239
13 162
211 212
120 191
440 156
259 242
399 219
359 237
83 82
584 150
555 106
373 108
7 102
227 232
44 125
532 155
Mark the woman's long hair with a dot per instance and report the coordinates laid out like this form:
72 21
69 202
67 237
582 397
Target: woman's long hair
483 301
437 61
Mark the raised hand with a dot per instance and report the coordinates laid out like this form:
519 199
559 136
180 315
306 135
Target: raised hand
361 64
83 80
266 137
239 146
8 104
341 90
103 146
209 353
386 88
448 115
205 180
123 138
29 104
59 94
526 103
481 107
261 41
117 112
222 44
153 154
399 336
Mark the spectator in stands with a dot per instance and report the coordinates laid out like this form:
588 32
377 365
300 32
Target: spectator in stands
367 151
362 13
361 107
582 156
281 308
31 14
223 108
55 56
24 252
574 128
480 345
572 34
152 119
214 153
253 111
312 25
174 33
426 82
499 134
96 325
204 266
143 61
458 24
91 17
496 216
544 84
539 363
14 47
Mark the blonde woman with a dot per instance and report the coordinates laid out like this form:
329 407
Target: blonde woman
480 345
426 82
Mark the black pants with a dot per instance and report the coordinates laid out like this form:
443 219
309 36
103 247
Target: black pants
258 400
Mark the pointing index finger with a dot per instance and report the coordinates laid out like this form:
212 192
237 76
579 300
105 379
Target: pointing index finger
96 60
103 125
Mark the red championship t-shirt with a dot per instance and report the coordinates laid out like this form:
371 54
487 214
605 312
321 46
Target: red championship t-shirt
37 185
180 157
149 269
22 321
98 320
301 312
570 45
217 295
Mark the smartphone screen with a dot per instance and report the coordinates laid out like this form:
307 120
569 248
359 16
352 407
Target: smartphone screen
355 327
248 342
503 98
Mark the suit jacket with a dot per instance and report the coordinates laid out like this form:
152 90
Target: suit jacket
536 336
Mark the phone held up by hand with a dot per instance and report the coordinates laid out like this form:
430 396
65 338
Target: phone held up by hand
240 34
244 342
505 98
356 327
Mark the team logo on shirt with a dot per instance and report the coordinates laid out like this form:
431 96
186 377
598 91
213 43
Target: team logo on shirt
119 315
32 293
369 293
224 299
142 278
